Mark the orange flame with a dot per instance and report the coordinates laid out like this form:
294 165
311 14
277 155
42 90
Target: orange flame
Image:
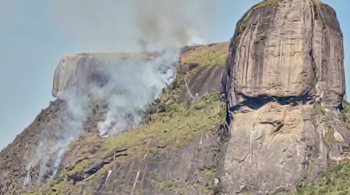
148 57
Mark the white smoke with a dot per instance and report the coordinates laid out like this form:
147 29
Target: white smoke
194 38
131 84
170 23
57 135
117 25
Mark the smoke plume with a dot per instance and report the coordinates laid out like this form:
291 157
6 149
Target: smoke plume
132 84
117 25
57 135
165 24
128 86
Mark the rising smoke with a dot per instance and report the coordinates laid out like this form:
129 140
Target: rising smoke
56 137
167 24
131 86
156 25
118 25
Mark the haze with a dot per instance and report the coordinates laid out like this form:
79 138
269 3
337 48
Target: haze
35 34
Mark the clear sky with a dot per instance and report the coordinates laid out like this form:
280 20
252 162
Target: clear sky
35 34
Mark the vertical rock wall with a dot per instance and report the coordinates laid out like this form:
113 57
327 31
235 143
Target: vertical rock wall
285 83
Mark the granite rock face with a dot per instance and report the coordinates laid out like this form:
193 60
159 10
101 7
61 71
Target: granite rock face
276 124
285 83
64 71
185 161
167 174
75 71
17 156
289 48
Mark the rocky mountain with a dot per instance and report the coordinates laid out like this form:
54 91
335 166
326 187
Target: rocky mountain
261 114
285 84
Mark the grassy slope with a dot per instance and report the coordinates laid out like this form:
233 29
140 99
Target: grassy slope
172 124
167 115
171 121
214 54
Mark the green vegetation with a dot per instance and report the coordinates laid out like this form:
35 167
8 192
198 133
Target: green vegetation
177 186
319 110
208 55
329 137
209 172
346 113
336 180
242 27
172 125
54 187
79 167
258 6
243 22
318 2
265 3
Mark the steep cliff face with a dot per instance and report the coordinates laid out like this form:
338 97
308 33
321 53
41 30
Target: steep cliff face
268 121
285 83
75 72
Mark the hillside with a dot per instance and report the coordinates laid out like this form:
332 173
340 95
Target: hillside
173 130
261 114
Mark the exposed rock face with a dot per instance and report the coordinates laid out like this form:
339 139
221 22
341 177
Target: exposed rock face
15 158
75 71
64 72
146 164
285 83
210 61
207 80
151 174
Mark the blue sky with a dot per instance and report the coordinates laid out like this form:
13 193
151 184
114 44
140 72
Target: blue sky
35 34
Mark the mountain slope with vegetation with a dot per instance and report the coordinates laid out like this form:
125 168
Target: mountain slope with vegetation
262 114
